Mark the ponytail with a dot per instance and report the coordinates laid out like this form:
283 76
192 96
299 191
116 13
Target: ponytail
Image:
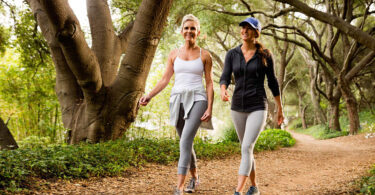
263 52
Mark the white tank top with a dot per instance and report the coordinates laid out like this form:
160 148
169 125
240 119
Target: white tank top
188 75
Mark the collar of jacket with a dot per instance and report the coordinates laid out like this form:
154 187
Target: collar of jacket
238 50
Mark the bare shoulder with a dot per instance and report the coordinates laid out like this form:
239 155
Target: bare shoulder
173 54
206 55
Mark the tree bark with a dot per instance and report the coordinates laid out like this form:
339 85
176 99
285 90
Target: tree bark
303 117
7 141
301 108
351 105
334 111
99 102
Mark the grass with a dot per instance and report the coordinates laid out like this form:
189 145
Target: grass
322 131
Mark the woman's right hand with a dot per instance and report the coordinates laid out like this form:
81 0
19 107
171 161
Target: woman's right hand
144 100
224 95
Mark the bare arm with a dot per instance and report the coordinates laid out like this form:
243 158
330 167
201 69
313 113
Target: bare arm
280 115
209 85
162 83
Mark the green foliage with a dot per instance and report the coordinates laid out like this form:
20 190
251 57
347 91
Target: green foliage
271 139
295 124
230 133
4 39
111 158
367 119
321 132
27 82
103 159
34 142
367 184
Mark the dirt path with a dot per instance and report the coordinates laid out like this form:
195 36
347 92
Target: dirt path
310 167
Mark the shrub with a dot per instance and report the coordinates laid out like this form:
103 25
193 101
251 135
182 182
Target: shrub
230 134
34 141
272 139
368 183
112 158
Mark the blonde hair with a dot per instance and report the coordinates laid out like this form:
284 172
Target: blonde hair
190 17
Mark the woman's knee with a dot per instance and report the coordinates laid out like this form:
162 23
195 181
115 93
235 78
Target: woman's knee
247 148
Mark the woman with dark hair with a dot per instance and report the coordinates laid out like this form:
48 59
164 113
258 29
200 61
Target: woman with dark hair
250 63
190 103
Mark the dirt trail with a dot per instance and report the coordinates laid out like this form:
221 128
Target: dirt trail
310 167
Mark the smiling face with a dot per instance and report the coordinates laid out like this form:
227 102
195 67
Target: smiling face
248 33
190 30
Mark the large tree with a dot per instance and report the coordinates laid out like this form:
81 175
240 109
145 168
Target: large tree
98 99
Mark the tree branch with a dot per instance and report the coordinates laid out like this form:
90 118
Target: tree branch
357 34
246 5
316 83
313 44
251 13
124 36
103 38
67 89
368 58
289 40
135 66
80 58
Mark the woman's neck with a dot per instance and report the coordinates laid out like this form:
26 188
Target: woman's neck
190 45
248 45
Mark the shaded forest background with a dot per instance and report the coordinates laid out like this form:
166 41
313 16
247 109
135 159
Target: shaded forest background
326 76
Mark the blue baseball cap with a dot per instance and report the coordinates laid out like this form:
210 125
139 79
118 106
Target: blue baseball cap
253 23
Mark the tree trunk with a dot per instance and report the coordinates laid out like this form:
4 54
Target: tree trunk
319 114
334 111
6 139
98 102
351 105
303 117
301 108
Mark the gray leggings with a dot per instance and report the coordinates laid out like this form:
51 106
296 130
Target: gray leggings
186 129
248 127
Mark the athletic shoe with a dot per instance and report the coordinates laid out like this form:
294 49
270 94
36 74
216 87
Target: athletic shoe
253 190
177 192
193 183
237 193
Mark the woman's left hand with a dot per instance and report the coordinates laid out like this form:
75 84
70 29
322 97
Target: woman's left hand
280 117
206 116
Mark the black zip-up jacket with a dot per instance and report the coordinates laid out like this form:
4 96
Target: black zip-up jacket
249 93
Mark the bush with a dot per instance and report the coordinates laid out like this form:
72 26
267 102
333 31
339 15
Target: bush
272 139
230 134
112 158
368 183
34 141
102 159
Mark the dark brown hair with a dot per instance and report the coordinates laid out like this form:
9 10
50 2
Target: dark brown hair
263 52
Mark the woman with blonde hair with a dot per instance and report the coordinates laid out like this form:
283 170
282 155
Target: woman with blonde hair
190 103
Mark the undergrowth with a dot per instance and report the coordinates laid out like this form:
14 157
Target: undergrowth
111 158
